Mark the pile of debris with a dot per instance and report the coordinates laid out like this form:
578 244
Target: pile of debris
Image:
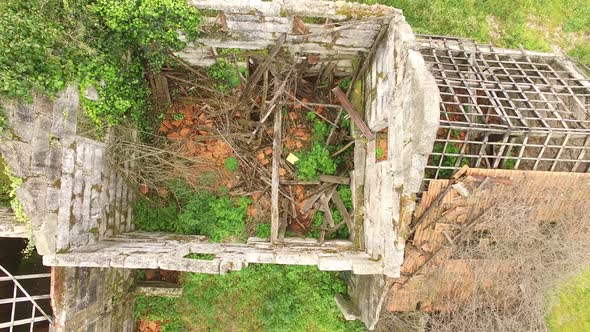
258 120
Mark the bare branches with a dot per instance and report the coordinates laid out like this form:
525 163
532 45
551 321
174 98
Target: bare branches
496 267
156 164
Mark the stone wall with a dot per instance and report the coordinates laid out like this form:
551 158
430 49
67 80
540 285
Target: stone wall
142 250
401 96
70 195
92 299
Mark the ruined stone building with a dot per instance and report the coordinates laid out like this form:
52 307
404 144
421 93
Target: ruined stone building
497 108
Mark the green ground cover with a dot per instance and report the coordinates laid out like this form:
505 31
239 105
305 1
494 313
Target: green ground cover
571 311
258 298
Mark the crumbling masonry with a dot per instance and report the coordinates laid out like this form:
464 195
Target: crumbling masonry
80 209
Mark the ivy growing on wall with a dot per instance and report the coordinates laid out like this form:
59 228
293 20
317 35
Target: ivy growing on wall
109 45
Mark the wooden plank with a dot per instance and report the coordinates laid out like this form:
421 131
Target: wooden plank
158 288
262 68
354 116
327 212
343 211
273 103
311 201
283 225
274 190
334 179
300 183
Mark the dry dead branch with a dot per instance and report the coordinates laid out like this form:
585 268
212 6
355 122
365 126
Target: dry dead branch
158 163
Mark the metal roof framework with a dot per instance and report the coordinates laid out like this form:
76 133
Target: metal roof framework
510 109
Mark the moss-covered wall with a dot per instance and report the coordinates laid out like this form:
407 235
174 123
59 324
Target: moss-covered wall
93 299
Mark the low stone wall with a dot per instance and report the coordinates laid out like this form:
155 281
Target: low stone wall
142 250
92 299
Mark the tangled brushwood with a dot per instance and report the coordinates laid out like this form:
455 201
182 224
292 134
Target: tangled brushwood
155 165
507 262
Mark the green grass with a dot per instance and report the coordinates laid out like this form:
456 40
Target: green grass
258 298
571 311
536 25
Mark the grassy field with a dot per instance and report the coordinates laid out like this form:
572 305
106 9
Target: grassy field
571 310
534 24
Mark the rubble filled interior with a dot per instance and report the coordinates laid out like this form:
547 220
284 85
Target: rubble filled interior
287 117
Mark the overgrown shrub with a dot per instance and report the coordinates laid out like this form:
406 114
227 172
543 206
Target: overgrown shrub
314 162
225 74
231 164
5 185
317 160
186 211
155 308
106 44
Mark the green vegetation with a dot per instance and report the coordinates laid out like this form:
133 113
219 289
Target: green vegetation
12 183
448 161
186 211
317 160
225 74
106 44
206 257
344 83
8 186
177 116
314 162
263 231
379 152
5 185
155 308
536 25
572 309
231 164
258 298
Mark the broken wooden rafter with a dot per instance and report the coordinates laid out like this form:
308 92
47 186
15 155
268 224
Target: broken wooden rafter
348 93
343 149
309 203
311 109
343 211
334 179
273 103
354 116
274 189
299 183
283 224
261 69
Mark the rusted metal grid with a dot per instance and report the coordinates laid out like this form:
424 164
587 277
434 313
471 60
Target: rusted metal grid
25 310
510 109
